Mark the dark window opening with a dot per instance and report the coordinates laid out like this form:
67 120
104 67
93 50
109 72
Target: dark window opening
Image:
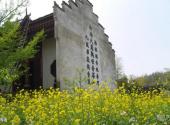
92 54
88 74
88 59
97 70
53 72
92 60
87 44
87 51
88 66
96 62
93 75
96 56
93 68
92 47
96 49
97 76
95 43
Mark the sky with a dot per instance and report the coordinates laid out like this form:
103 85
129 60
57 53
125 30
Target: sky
138 29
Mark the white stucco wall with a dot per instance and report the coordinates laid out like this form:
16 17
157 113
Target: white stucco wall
48 55
71 26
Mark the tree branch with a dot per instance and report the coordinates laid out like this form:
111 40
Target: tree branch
9 13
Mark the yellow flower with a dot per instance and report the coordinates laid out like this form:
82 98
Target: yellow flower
77 122
62 113
16 120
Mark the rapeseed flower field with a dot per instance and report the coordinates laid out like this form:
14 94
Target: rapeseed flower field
91 106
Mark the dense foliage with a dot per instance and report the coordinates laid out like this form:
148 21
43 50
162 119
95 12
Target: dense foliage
154 79
15 49
86 107
157 80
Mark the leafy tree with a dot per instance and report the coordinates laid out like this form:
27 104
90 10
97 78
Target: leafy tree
14 48
154 80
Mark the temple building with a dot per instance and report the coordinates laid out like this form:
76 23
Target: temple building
75 48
